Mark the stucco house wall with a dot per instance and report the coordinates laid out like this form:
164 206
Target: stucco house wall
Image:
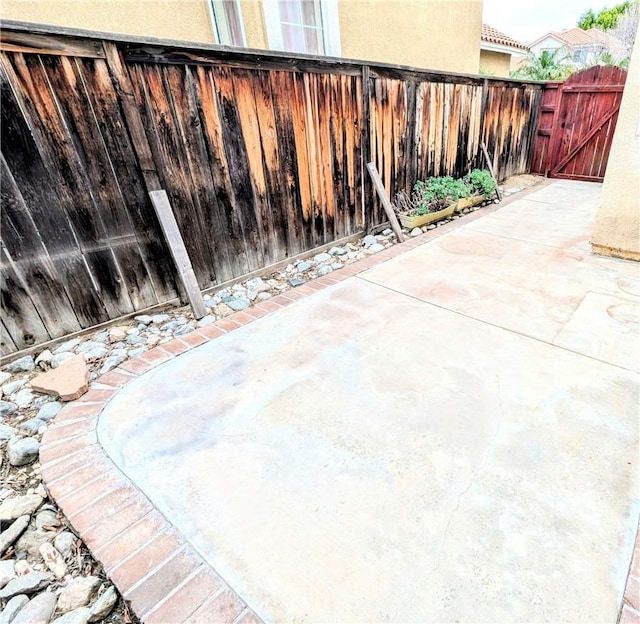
495 63
151 18
617 228
434 34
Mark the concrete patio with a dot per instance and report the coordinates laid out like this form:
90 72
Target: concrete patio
451 435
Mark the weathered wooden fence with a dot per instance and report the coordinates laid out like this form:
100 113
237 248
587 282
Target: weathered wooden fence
262 157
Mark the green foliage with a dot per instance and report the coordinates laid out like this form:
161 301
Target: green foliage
480 182
437 193
609 60
547 66
605 19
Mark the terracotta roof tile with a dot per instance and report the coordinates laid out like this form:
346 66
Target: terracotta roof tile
492 35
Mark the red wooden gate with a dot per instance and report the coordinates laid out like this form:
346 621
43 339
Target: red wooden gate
576 124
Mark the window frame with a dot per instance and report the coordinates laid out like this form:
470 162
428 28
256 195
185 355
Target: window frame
221 25
330 26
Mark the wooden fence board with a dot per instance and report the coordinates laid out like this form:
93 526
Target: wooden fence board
262 157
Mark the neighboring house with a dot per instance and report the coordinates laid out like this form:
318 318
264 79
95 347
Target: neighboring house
434 34
579 47
498 51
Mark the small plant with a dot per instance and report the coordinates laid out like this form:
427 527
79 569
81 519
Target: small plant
480 182
437 193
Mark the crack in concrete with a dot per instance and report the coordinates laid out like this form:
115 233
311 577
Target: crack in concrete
472 480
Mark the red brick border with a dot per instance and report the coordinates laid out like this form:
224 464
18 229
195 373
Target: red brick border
148 560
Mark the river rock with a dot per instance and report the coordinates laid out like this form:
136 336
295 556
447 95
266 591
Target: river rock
322 257
158 319
375 248
238 304
13 508
22 451
27 584
13 386
4 377
38 610
67 346
23 398
96 354
53 560
11 534
223 310
296 281
32 426
324 270
256 284
337 251
44 359
64 542
31 540
117 334
77 616
6 433
48 411
7 571
145 319
7 408
61 358
303 266
116 357
8 614
78 593
369 240
22 365
47 518
104 605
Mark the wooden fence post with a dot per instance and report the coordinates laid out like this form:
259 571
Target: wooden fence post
179 253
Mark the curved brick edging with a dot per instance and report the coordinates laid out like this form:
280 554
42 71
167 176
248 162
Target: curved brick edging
149 561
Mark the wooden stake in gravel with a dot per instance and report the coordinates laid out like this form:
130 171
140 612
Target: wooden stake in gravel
490 165
181 258
382 194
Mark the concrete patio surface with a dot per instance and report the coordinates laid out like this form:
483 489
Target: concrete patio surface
449 436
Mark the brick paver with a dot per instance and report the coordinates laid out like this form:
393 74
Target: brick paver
149 561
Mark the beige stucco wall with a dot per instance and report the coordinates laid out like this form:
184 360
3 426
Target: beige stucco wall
495 63
433 34
169 19
617 229
254 26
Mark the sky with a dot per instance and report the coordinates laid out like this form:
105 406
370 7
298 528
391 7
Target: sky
526 20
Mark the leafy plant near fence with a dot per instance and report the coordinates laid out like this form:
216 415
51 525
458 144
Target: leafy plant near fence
437 193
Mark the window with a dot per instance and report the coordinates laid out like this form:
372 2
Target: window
580 55
303 26
226 16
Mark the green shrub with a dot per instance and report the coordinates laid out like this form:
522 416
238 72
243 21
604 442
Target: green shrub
437 193
480 182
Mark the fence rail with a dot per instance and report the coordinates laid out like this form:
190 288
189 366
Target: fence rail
262 157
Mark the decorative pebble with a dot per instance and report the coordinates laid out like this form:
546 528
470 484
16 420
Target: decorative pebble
23 398
23 364
67 346
22 451
7 408
13 386
78 593
103 605
61 358
48 411
11 609
26 584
